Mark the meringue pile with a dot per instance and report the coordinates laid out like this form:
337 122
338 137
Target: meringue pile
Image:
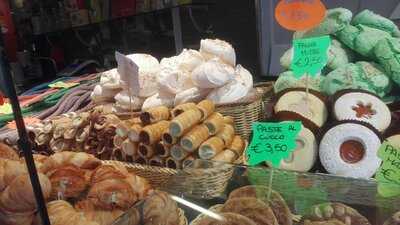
142 82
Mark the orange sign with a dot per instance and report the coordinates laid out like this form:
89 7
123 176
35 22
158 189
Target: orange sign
299 15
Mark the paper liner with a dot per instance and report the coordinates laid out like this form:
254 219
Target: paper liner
206 107
154 115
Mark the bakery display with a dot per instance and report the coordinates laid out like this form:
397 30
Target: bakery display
141 81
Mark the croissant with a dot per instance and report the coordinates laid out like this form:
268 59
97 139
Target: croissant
102 217
194 138
152 133
112 194
9 170
6 152
140 186
62 213
160 208
18 197
129 148
67 182
154 115
227 133
105 172
206 107
182 123
214 123
237 146
178 153
80 159
7 218
134 131
182 108
210 148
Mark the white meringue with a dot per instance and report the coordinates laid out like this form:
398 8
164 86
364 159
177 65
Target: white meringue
158 99
234 90
143 83
172 79
100 94
110 79
125 101
218 48
189 59
212 74
191 95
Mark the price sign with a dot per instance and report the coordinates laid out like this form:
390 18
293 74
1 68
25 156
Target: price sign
128 70
272 142
310 55
388 174
300 15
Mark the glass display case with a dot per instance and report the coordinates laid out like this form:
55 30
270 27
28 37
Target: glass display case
210 185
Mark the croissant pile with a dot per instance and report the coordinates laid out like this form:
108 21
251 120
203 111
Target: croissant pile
91 132
174 138
101 193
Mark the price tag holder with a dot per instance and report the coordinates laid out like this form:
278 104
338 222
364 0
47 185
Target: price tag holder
310 55
272 142
388 175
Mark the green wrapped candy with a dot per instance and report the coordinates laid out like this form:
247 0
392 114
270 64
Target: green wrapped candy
288 80
367 76
387 51
362 39
338 55
335 20
371 19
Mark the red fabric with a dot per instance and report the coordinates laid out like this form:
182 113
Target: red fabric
1 99
7 25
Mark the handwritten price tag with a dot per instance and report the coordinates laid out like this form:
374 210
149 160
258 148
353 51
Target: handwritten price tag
272 142
388 174
310 55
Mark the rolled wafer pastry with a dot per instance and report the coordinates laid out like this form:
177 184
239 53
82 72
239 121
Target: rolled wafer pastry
211 148
133 133
129 148
206 107
226 156
142 160
227 133
81 120
237 146
178 153
151 134
157 161
229 120
194 138
214 123
173 164
182 123
162 149
43 139
123 127
117 141
188 161
146 151
154 115
179 109
168 139
70 132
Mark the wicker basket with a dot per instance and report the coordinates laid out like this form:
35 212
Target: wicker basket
244 113
214 209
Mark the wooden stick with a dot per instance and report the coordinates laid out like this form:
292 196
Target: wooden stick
178 153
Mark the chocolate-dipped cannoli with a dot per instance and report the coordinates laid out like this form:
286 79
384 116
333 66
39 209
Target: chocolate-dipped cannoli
157 161
146 151
178 153
154 115
151 134
182 123
173 163
168 139
210 148
214 123
227 133
133 133
194 138
206 107
182 108
162 149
